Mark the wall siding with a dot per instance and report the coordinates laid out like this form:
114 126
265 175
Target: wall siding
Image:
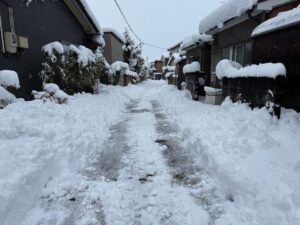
42 23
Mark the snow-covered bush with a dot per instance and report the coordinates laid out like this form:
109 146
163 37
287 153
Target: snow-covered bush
51 93
117 69
74 69
8 78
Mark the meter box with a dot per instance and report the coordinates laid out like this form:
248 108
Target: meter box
23 42
11 42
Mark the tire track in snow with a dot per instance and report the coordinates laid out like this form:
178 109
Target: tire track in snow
143 193
184 170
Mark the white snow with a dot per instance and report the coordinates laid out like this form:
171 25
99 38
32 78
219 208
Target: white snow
9 78
92 15
192 67
193 39
53 46
51 88
231 69
131 73
255 157
212 90
85 55
228 10
99 40
282 20
6 97
169 68
118 66
252 159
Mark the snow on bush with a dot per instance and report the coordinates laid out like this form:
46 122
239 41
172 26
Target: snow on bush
228 10
74 69
51 93
192 68
231 69
282 20
8 78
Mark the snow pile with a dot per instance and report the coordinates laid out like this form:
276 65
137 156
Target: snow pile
229 10
53 47
193 39
254 157
114 31
6 97
46 142
131 73
118 66
85 55
51 93
192 68
231 69
9 78
282 20
211 90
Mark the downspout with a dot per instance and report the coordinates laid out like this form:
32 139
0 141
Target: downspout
2 36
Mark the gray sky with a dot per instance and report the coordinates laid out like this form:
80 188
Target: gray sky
159 22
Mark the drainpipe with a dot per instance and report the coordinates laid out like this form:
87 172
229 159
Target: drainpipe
1 35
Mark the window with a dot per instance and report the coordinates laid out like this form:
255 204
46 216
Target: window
216 57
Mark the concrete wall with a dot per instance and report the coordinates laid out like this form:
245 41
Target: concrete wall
113 48
42 22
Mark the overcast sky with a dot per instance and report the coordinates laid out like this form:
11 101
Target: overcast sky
159 22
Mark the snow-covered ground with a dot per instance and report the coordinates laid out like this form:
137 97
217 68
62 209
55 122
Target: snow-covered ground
147 154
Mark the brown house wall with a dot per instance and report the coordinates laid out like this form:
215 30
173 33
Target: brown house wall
282 46
238 34
113 48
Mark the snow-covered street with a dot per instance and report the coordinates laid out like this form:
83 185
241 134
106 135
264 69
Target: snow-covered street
147 154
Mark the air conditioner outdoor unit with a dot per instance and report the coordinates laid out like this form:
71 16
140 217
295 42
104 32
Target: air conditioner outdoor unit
11 42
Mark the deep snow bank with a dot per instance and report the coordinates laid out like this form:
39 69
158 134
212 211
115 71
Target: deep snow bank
255 157
40 141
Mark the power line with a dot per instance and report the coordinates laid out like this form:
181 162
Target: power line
131 29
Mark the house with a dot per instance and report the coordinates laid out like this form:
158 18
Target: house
175 48
278 40
158 65
113 45
177 60
232 25
196 72
26 26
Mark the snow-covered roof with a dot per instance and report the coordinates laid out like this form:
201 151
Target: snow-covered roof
227 11
9 78
192 68
114 31
231 69
193 39
175 45
282 20
91 14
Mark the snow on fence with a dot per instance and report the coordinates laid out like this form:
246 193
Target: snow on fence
230 69
192 68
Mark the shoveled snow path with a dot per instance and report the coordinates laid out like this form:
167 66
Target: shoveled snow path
144 192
